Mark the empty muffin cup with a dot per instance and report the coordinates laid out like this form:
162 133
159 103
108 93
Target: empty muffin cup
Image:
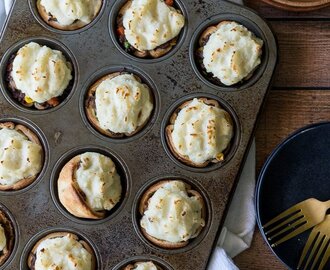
38 75
229 52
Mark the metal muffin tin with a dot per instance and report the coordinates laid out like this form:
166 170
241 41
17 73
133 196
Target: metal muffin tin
144 157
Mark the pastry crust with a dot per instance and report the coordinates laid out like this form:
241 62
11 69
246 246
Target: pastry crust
143 205
33 138
170 127
32 255
155 53
10 237
74 199
203 39
91 112
50 20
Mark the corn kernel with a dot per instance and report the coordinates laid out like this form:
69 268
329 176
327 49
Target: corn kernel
220 156
28 99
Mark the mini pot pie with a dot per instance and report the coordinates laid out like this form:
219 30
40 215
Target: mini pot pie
21 156
68 14
172 214
61 250
39 77
200 132
149 28
119 104
89 185
142 266
228 53
7 238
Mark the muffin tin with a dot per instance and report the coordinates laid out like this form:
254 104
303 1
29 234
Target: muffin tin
144 157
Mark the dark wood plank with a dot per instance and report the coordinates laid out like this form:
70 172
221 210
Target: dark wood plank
268 11
303 54
285 112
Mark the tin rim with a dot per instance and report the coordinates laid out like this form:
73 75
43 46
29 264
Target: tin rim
112 30
234 141
136 216
45 147
36 15
122 170
145 79
251 26
34 239
51 43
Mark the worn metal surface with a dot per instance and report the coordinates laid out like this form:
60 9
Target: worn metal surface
144 156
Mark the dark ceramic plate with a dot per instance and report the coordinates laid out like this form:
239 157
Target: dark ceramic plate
298 169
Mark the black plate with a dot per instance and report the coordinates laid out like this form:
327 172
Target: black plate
298 169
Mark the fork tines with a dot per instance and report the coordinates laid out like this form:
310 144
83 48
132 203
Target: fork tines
285 226
318 250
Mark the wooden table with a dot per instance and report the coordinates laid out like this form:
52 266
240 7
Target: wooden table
300 95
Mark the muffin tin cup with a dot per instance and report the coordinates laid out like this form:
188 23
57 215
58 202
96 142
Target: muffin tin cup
121 168
51 43
144 78
192 242
12 220
30 244
36 15
251 26
46 152
178 4
158 262
233 144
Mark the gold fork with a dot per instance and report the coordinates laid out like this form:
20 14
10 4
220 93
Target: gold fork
295 220
318 245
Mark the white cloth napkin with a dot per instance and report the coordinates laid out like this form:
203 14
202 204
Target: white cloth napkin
237 232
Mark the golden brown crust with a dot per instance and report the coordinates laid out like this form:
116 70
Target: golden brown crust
155 53
170 127
143 205
32 255
10 237
50 20
70 194
91 112
33 138
209 31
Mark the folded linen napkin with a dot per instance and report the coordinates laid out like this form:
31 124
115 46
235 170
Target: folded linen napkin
237 232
